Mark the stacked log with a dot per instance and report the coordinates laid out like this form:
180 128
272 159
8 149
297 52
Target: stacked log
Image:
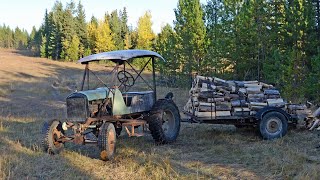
212 97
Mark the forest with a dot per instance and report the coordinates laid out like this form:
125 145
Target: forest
275 41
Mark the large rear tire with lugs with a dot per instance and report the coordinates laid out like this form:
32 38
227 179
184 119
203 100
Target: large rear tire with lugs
164 121
107 141
52 132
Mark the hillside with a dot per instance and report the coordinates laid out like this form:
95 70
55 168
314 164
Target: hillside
27 99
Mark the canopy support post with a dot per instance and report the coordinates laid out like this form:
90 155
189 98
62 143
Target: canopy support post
154 80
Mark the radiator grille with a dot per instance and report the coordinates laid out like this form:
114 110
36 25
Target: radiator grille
77 108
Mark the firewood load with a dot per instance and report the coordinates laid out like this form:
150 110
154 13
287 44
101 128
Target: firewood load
212 97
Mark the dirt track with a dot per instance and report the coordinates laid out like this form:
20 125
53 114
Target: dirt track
27 99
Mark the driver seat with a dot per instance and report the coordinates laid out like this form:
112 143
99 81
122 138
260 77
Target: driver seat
128 97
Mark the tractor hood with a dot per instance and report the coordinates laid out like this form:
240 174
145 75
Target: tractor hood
96 94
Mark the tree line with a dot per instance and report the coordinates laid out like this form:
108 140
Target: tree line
273 41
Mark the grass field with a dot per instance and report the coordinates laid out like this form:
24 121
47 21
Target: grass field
27 99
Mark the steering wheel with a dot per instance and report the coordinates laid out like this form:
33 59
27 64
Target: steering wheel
125 78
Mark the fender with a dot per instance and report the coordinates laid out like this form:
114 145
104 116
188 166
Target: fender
267 109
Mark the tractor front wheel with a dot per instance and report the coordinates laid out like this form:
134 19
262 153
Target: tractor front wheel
164 121
52 132
107 141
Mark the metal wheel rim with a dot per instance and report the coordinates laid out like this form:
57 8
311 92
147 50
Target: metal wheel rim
168 123
111 141
274 125
55 136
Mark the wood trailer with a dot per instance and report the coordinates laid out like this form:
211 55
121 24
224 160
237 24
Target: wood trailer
241 103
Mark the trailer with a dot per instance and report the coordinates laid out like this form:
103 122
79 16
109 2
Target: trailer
241 103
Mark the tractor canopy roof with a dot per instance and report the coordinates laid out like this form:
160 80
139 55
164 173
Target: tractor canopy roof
120 56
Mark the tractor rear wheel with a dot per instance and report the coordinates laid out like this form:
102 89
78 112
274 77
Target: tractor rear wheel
52 132
107 141
164 121
273 125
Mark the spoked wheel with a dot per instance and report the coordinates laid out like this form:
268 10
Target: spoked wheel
164 121
52 131
273 125
107 141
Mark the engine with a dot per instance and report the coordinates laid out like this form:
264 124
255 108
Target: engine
84 104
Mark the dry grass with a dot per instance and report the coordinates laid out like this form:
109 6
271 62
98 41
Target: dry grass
202 151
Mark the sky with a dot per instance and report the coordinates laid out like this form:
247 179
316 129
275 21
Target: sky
28 13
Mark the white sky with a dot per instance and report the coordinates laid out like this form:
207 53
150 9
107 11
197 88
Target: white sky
28 13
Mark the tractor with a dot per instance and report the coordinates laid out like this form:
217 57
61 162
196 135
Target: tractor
98 114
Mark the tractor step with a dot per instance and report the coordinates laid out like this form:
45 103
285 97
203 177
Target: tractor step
130 125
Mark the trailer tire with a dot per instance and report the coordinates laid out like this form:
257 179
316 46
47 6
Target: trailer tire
164 121
107 141
273 125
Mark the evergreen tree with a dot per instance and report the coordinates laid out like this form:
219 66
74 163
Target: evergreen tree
116 28
81 29
191 33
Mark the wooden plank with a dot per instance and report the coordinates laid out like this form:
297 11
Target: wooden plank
213 114
241 109
206 104
258 104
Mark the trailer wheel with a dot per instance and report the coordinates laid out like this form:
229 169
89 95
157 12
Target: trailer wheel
164 121
107 141
273 125
52 131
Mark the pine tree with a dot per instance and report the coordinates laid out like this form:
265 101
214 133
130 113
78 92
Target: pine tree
191 33
81 29
115 26
43 49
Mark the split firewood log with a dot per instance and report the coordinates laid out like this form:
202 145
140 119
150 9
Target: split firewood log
253 90
258 95
239 103
271 92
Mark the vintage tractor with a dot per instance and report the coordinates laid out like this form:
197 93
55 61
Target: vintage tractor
97 115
